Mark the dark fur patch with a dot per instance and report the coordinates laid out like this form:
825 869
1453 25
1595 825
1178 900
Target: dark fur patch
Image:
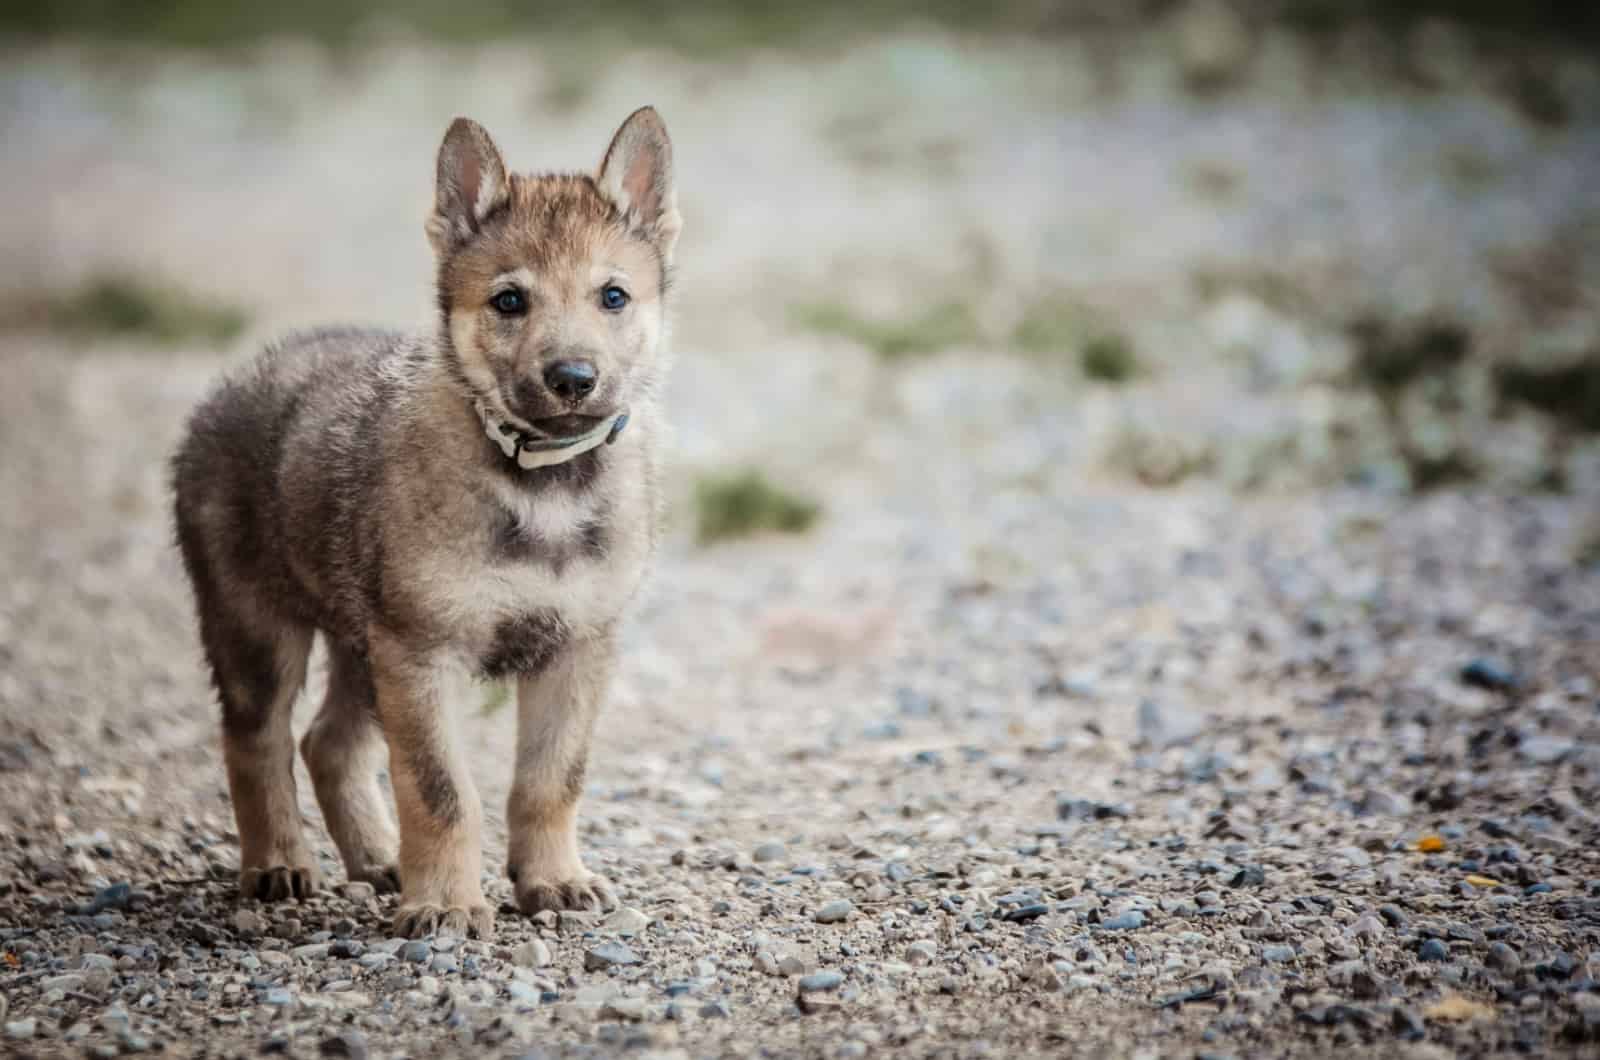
596 537
434 784
524 645
511 542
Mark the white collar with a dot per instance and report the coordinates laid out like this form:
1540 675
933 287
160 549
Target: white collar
530 452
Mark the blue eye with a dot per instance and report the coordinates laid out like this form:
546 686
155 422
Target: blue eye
511 303
613 298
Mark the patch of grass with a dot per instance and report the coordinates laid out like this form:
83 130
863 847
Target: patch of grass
1051 325
1057 325
1568 393
1389 357
120 305
938 327
745 503
1109 358
701 28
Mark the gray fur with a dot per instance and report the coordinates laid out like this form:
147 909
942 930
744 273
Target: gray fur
343 482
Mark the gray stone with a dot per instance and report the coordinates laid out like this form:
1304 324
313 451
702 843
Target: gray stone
769 852
416 951
626 922
608 955
531 954
1129 921
835 912
818 982
1502 958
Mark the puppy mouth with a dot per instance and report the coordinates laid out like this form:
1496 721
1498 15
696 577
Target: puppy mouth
568 426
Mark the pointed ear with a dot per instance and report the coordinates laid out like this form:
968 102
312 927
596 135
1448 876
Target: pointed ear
636 176
471 184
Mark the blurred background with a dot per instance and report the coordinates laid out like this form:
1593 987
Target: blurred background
971 295
950 272
1267 244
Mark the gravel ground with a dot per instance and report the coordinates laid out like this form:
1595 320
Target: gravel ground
1010 755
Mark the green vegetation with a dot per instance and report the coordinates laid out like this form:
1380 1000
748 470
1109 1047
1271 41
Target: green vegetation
938 327
704 27
1568 393
1049 326
746 503
1056 325
120 305
1108 358
1389 357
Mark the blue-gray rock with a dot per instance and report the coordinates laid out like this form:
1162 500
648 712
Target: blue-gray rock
1502 958
416 951
1489 674
1277 954
1433 950
1167 724
818 982
1395 916
835 912
608 955
1129 921
522 993
1026 912
116 896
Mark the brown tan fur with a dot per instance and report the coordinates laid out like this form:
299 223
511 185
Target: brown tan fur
343 484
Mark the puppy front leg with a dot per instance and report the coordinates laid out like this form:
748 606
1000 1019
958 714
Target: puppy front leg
556 712
441 818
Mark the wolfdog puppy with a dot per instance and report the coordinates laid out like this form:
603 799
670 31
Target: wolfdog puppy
482 500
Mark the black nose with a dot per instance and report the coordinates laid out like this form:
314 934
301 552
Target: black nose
570 379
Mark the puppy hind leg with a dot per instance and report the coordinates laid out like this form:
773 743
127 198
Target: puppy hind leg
344 752
259 668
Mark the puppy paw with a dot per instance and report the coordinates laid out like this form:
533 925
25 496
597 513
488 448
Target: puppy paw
385 879
279 882
585 891
420 921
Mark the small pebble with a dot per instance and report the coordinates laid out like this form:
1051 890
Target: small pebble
608 955
820 981
835 912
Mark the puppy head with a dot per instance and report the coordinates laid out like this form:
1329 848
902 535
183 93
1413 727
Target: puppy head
553 287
